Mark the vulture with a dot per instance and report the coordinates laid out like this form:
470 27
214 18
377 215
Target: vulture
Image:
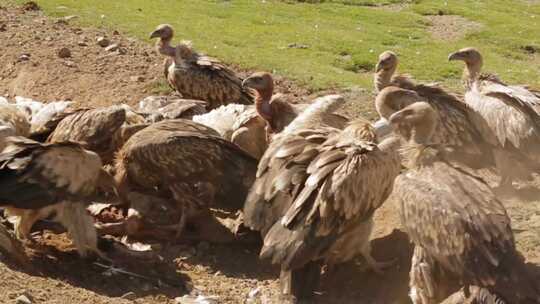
461 231
97 128
157 108
459 126
38 180
315 194
197 76
186 162
512 116
13 122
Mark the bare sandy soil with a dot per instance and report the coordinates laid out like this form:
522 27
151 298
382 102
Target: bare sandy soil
93 76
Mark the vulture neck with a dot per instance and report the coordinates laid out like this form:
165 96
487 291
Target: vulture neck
262 103
164 47
471 73
418 152
383 78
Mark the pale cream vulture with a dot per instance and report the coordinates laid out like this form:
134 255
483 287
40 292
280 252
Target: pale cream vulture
512 114
461 231
188 163
157 108
315 194
459 126
13 122
37 180
197 76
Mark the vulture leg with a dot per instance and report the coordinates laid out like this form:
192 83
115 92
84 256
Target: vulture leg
299 284
182 223
27 218
12 247
80 226
428 284
422 282
377 267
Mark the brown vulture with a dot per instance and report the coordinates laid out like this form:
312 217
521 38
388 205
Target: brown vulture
197 76
316 190
512 116
188 163
461 231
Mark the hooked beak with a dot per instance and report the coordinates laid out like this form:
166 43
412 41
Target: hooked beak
455 56
246 83
378 67
155 34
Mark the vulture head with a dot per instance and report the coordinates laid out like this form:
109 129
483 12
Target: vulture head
471 57
417 120
262 84
163 31
393 99
388 61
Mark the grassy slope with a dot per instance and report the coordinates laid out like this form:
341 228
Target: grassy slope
344 40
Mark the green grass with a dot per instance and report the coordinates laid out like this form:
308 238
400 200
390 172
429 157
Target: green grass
344 37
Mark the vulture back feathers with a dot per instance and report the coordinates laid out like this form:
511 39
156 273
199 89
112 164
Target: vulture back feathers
187 161
93 127
313 187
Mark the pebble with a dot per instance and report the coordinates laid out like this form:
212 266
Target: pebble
3 27
111 48
129 296
82 43
64 53
24 57
136 79
23 299
103 42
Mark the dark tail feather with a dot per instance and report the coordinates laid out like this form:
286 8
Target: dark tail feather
521 286
300 283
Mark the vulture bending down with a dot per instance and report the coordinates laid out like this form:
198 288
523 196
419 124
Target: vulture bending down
315 194
197 76
461 231
99 129
187 162
37 180
512 116
459 126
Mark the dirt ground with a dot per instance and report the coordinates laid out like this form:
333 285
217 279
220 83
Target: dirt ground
92 76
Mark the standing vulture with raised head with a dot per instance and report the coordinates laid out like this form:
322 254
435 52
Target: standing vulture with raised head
459 126
188 163
315 194
37 180
197 76
512 115
276 109
461 231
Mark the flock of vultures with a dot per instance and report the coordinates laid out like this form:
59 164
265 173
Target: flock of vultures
307 179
